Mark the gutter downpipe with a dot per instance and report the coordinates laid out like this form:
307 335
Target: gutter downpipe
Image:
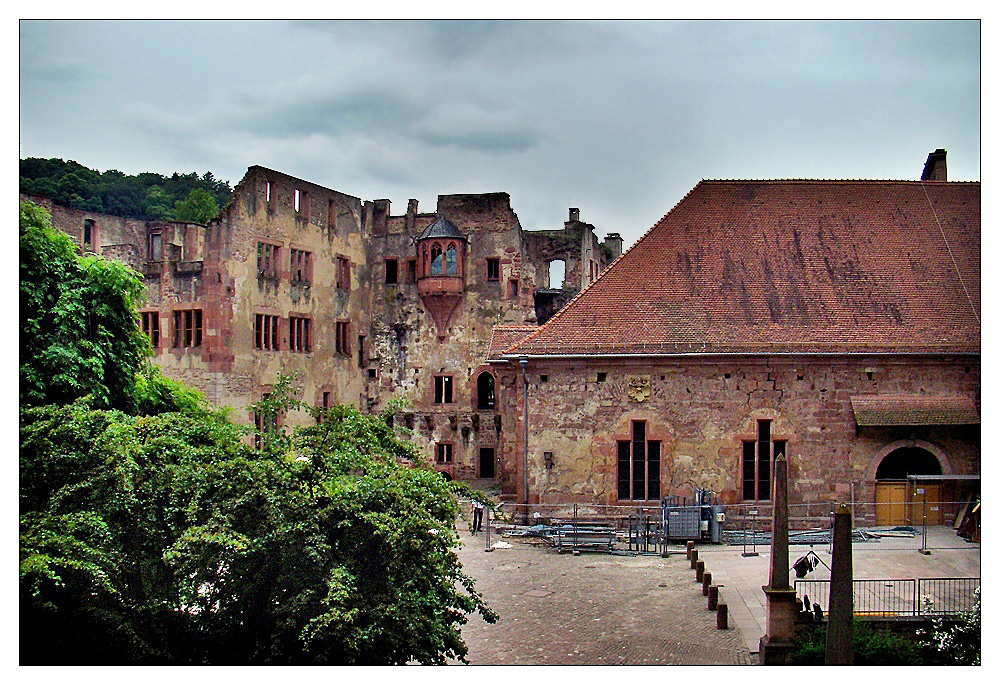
524 421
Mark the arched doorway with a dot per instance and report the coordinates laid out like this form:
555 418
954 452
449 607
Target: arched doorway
891 496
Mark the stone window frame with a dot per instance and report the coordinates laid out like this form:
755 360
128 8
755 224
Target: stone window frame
188 327
300 333
751 453
342 344
514 288
149 320
444 452
343 272
267 330
391 274
493 269
444 390
258 420
478 393
629 452
269 254
300 266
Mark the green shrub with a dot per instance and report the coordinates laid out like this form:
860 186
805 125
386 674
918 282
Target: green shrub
872 647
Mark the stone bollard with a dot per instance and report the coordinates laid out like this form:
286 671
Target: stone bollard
722 616
713 597
694 558
690 549
706 582
699 572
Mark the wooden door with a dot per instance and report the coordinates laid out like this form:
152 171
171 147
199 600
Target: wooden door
890 503
931 494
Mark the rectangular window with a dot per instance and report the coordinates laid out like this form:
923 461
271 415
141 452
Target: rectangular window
267 260
187 328
758 457
326 399
444 452
391 272
154 249
343 342
151 327
269 195
343 273
301 201
411 270
88 233
263 424
492 269
513 287
299 334
301 267
265 332
362 361
638 466
443 389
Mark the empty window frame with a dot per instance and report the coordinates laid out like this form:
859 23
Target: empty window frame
758 459
263 423
391 272
514 287
88 233
151 327
362 353
270 194
411 270
300 200
444 453
343 273
154 246
638 466
267 260
444 389
187 328
265 332
343 338
299 334
301 267
485 391
493 269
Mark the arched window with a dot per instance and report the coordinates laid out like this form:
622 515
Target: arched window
437 261
452 260
486 391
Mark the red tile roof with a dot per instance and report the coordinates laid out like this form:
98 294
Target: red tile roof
503 337
788 266
914 410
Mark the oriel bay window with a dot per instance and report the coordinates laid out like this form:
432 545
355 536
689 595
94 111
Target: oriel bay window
638 466
758 459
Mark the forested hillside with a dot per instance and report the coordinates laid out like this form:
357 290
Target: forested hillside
184 197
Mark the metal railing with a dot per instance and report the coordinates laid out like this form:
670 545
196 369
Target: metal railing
889 597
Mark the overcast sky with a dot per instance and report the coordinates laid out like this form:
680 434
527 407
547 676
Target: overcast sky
620 119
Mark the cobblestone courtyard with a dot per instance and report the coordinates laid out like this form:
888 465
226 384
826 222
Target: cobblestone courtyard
592 609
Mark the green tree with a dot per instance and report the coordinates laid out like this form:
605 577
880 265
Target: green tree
199 206
78 331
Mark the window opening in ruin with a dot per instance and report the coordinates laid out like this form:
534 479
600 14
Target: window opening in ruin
638 466
362 360
557 273
343 273
88 233
269 192
485 391
758 457
326 399
151 327
263 424
267 260
265 332
411 270
154 249
343 341
187 328
443 389
297 199
493 269
301 203
513 287
437 261
545 378
373 373
452 260
301 263
391 272
444 452
487 462
299 334
602 376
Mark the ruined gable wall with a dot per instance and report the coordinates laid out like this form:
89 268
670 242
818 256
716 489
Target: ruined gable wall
702 418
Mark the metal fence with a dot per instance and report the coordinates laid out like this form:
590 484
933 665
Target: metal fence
897 597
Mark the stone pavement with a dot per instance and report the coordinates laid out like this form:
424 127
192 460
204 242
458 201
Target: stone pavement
599 608
596 608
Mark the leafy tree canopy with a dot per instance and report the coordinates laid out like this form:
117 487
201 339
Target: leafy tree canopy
143 196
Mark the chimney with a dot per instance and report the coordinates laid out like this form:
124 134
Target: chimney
411 214
616 244
574 214
936 166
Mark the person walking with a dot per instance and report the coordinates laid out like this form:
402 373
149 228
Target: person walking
477 516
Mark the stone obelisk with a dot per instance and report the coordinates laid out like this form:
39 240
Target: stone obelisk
777 644
840 626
